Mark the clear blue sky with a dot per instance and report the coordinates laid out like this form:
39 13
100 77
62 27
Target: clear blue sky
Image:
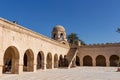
95 21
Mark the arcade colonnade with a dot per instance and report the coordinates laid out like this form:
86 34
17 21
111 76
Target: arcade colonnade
30 62
100 60
98 55
22 49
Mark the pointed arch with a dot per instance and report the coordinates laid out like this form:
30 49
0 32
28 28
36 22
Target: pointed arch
100 60
28 61
40 60
112 59
77 61
11 60
65 61
55 61
87 61
61 61
49 61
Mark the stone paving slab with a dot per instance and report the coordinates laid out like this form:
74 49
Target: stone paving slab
79 73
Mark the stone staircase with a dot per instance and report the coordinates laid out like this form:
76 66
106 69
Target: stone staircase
71 56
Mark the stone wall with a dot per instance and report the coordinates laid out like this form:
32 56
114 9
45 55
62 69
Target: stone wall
105 51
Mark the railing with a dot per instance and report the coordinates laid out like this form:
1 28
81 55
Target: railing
74 56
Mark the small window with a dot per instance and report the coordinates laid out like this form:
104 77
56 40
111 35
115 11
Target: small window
61 36
54 36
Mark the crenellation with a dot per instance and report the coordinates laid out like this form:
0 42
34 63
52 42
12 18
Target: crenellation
102 45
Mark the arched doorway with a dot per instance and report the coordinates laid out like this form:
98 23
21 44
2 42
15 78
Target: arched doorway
49 61
11 60
100 60
28 61
55 61
65 61
87 61
40 60
113 59
77 61
61 61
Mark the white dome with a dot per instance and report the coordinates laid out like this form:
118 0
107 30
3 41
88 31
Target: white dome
58 28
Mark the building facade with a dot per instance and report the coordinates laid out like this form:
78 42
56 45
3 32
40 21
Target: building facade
23 50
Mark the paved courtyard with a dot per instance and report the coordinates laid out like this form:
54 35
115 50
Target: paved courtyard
79 73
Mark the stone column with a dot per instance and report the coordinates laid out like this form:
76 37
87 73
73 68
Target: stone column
35 67
21 63
1 70
81 61
20 68
53 62
107 62
94 62
44 63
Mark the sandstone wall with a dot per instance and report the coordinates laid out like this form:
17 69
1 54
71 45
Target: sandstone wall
106 50
12 34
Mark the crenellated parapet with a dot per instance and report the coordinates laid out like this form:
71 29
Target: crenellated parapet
102 45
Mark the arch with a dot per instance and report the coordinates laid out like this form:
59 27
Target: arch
61 61
28 61
65 61
49 61
87 61
100 60
61 36
11 60
40 60
112 59
54 36
77 61
55 61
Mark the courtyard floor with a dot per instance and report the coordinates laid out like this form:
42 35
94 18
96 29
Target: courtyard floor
78 73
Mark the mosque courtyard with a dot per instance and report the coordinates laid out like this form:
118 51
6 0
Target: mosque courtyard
78 73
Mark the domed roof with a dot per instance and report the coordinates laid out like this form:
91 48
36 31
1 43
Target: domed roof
58 28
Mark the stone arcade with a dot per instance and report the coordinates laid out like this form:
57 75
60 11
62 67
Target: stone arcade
23 50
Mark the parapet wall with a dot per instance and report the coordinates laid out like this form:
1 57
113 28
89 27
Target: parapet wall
102 45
